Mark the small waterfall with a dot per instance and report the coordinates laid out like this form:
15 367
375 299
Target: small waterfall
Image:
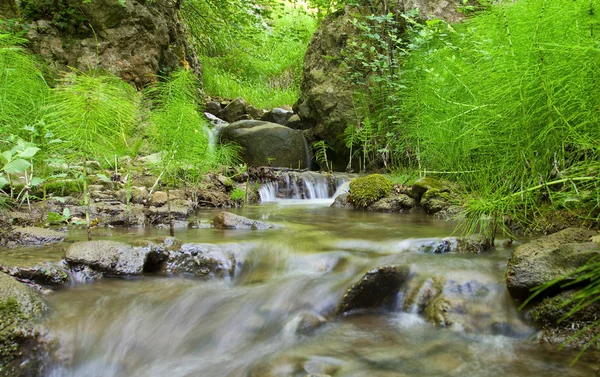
302 185
214 132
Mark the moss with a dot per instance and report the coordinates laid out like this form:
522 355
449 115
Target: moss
62 188
367 190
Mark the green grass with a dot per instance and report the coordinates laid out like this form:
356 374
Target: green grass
264 68
508 105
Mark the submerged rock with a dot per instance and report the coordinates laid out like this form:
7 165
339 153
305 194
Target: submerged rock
228 220
47 275
22 347
108 257
475 243
37 236
199 260
548 258
377 288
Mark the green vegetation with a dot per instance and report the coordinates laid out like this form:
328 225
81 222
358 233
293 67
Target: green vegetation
264 64
365 191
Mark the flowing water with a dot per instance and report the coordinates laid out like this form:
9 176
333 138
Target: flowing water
274 316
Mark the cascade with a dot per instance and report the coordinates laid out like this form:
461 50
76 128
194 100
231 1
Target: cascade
303 185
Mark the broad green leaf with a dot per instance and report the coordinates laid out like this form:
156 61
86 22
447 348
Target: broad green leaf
3 182
16 166
29 152
36 181
103 178
66 213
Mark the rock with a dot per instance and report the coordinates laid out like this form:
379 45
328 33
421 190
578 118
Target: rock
21 341
396 203
254 112
550 314
307 322
137 195
159 198
119 215
341 201
326 98
133 40
199 260
213 107
422 185
232 111
180 210
215 121
46 275
365 191
277 115
37 236
228 220
109 257
296 123
267 143
475 244
547 258
377 288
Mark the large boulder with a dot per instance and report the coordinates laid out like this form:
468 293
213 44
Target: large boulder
108 257
22 348
135 40
326 100
377 288
268 144
548 258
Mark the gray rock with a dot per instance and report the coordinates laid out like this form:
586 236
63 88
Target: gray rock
134 40
21 341
547 258
37 236
341 201
108 257
213 107
296 123
180 210
474 244
159 198
137 195
232 111
277 115
47 275
254 112
199 260
377 288
267 144
228 220
396 203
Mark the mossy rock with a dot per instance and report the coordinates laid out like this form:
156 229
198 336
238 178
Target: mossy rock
365 191
21 348
64 187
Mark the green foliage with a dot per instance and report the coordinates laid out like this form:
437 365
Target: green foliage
365 191
320 148
507 104
264 64
23 90
238 194
63 14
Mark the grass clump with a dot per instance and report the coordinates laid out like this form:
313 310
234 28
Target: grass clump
263 65
365 191
507 104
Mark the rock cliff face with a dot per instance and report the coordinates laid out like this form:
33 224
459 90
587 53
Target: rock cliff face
326 100
135 40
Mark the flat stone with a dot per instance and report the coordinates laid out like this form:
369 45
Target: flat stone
109 257
37 236
228 220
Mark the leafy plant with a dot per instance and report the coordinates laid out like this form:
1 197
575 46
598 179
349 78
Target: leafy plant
237 194
320 148
89 112
54 218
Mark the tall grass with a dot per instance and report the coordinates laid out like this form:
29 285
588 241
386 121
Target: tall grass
263 67
23 90
508 104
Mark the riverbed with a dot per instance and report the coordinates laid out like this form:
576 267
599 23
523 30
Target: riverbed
275 315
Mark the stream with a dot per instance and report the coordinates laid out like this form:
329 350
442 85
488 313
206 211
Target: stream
274 316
